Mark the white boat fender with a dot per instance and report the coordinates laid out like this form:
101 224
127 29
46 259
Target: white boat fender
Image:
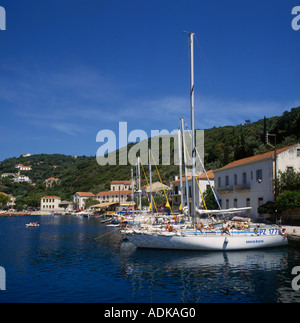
226 240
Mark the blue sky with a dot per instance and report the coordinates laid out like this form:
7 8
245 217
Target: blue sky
70 68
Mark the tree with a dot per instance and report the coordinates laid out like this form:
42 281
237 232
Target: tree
209 199
4 199
288 200
288 181
90 201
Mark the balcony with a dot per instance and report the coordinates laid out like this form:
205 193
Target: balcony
225 189
242 187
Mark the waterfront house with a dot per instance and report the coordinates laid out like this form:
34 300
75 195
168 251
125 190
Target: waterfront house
50 203
79 199
114 196
120 185
203 182
250 181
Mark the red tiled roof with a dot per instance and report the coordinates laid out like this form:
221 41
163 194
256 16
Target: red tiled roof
6 194
252 159
51 197
85 194
121 182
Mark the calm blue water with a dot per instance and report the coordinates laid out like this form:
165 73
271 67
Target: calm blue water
64 260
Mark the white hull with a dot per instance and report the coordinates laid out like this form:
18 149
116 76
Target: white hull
205 242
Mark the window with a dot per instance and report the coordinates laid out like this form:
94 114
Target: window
235 179
248 202
259 175
298 152
244 178
251 174
219 181
235 203
226 180
260 201
227 203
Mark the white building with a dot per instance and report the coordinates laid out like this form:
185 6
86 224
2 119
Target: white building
50 203
250 181
203 184
80 198
114 196
22 179
23 167
120 185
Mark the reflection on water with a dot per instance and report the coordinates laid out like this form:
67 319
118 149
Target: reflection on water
240 276
71 259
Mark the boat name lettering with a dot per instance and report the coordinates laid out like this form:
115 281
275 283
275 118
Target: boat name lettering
254 241
270 231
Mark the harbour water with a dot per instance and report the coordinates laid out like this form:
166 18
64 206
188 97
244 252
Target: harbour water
74 259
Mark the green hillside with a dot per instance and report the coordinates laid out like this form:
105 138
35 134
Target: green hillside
222 145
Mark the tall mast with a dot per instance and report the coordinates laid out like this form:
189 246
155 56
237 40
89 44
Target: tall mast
185 170
139 174
193 208
150 175
180 167
132 195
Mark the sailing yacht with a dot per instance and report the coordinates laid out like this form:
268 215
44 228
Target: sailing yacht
211 237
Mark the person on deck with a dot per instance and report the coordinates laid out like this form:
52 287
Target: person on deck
225 228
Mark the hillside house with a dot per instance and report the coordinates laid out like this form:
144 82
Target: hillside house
50 181
250 181
23 167
11 203
22 179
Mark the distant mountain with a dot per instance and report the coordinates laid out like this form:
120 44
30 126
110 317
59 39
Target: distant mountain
222 145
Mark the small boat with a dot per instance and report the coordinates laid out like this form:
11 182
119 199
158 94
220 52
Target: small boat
32 224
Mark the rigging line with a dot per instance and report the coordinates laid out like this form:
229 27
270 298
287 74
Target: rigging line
161 182
147 185
196 179
215 196
102 235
